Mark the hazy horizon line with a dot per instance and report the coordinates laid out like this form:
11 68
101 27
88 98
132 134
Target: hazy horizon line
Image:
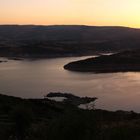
69 25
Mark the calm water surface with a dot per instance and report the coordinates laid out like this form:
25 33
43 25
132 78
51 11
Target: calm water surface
34 79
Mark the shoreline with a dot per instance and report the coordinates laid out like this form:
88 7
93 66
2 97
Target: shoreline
47 118
68 98
127 61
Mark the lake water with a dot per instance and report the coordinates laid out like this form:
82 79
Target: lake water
34 79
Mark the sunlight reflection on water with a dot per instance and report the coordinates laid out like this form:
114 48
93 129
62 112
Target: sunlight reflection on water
34 79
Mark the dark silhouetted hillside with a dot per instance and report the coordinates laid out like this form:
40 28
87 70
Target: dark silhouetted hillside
65 40
119 62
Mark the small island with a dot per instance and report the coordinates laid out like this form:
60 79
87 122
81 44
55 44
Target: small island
119 62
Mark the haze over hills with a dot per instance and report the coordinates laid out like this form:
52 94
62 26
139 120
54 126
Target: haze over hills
65 40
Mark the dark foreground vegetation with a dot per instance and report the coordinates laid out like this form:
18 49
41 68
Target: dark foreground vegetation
44 119
119 62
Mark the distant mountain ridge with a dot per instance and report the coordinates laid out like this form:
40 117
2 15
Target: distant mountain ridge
66 32
65 40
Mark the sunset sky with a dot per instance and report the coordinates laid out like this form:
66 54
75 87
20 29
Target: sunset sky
86 12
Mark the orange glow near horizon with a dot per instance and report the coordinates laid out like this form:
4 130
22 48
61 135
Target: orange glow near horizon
76 12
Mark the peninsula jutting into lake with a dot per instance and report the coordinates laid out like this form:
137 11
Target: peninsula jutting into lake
120 62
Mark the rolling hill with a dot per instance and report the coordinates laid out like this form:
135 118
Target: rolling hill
65 40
